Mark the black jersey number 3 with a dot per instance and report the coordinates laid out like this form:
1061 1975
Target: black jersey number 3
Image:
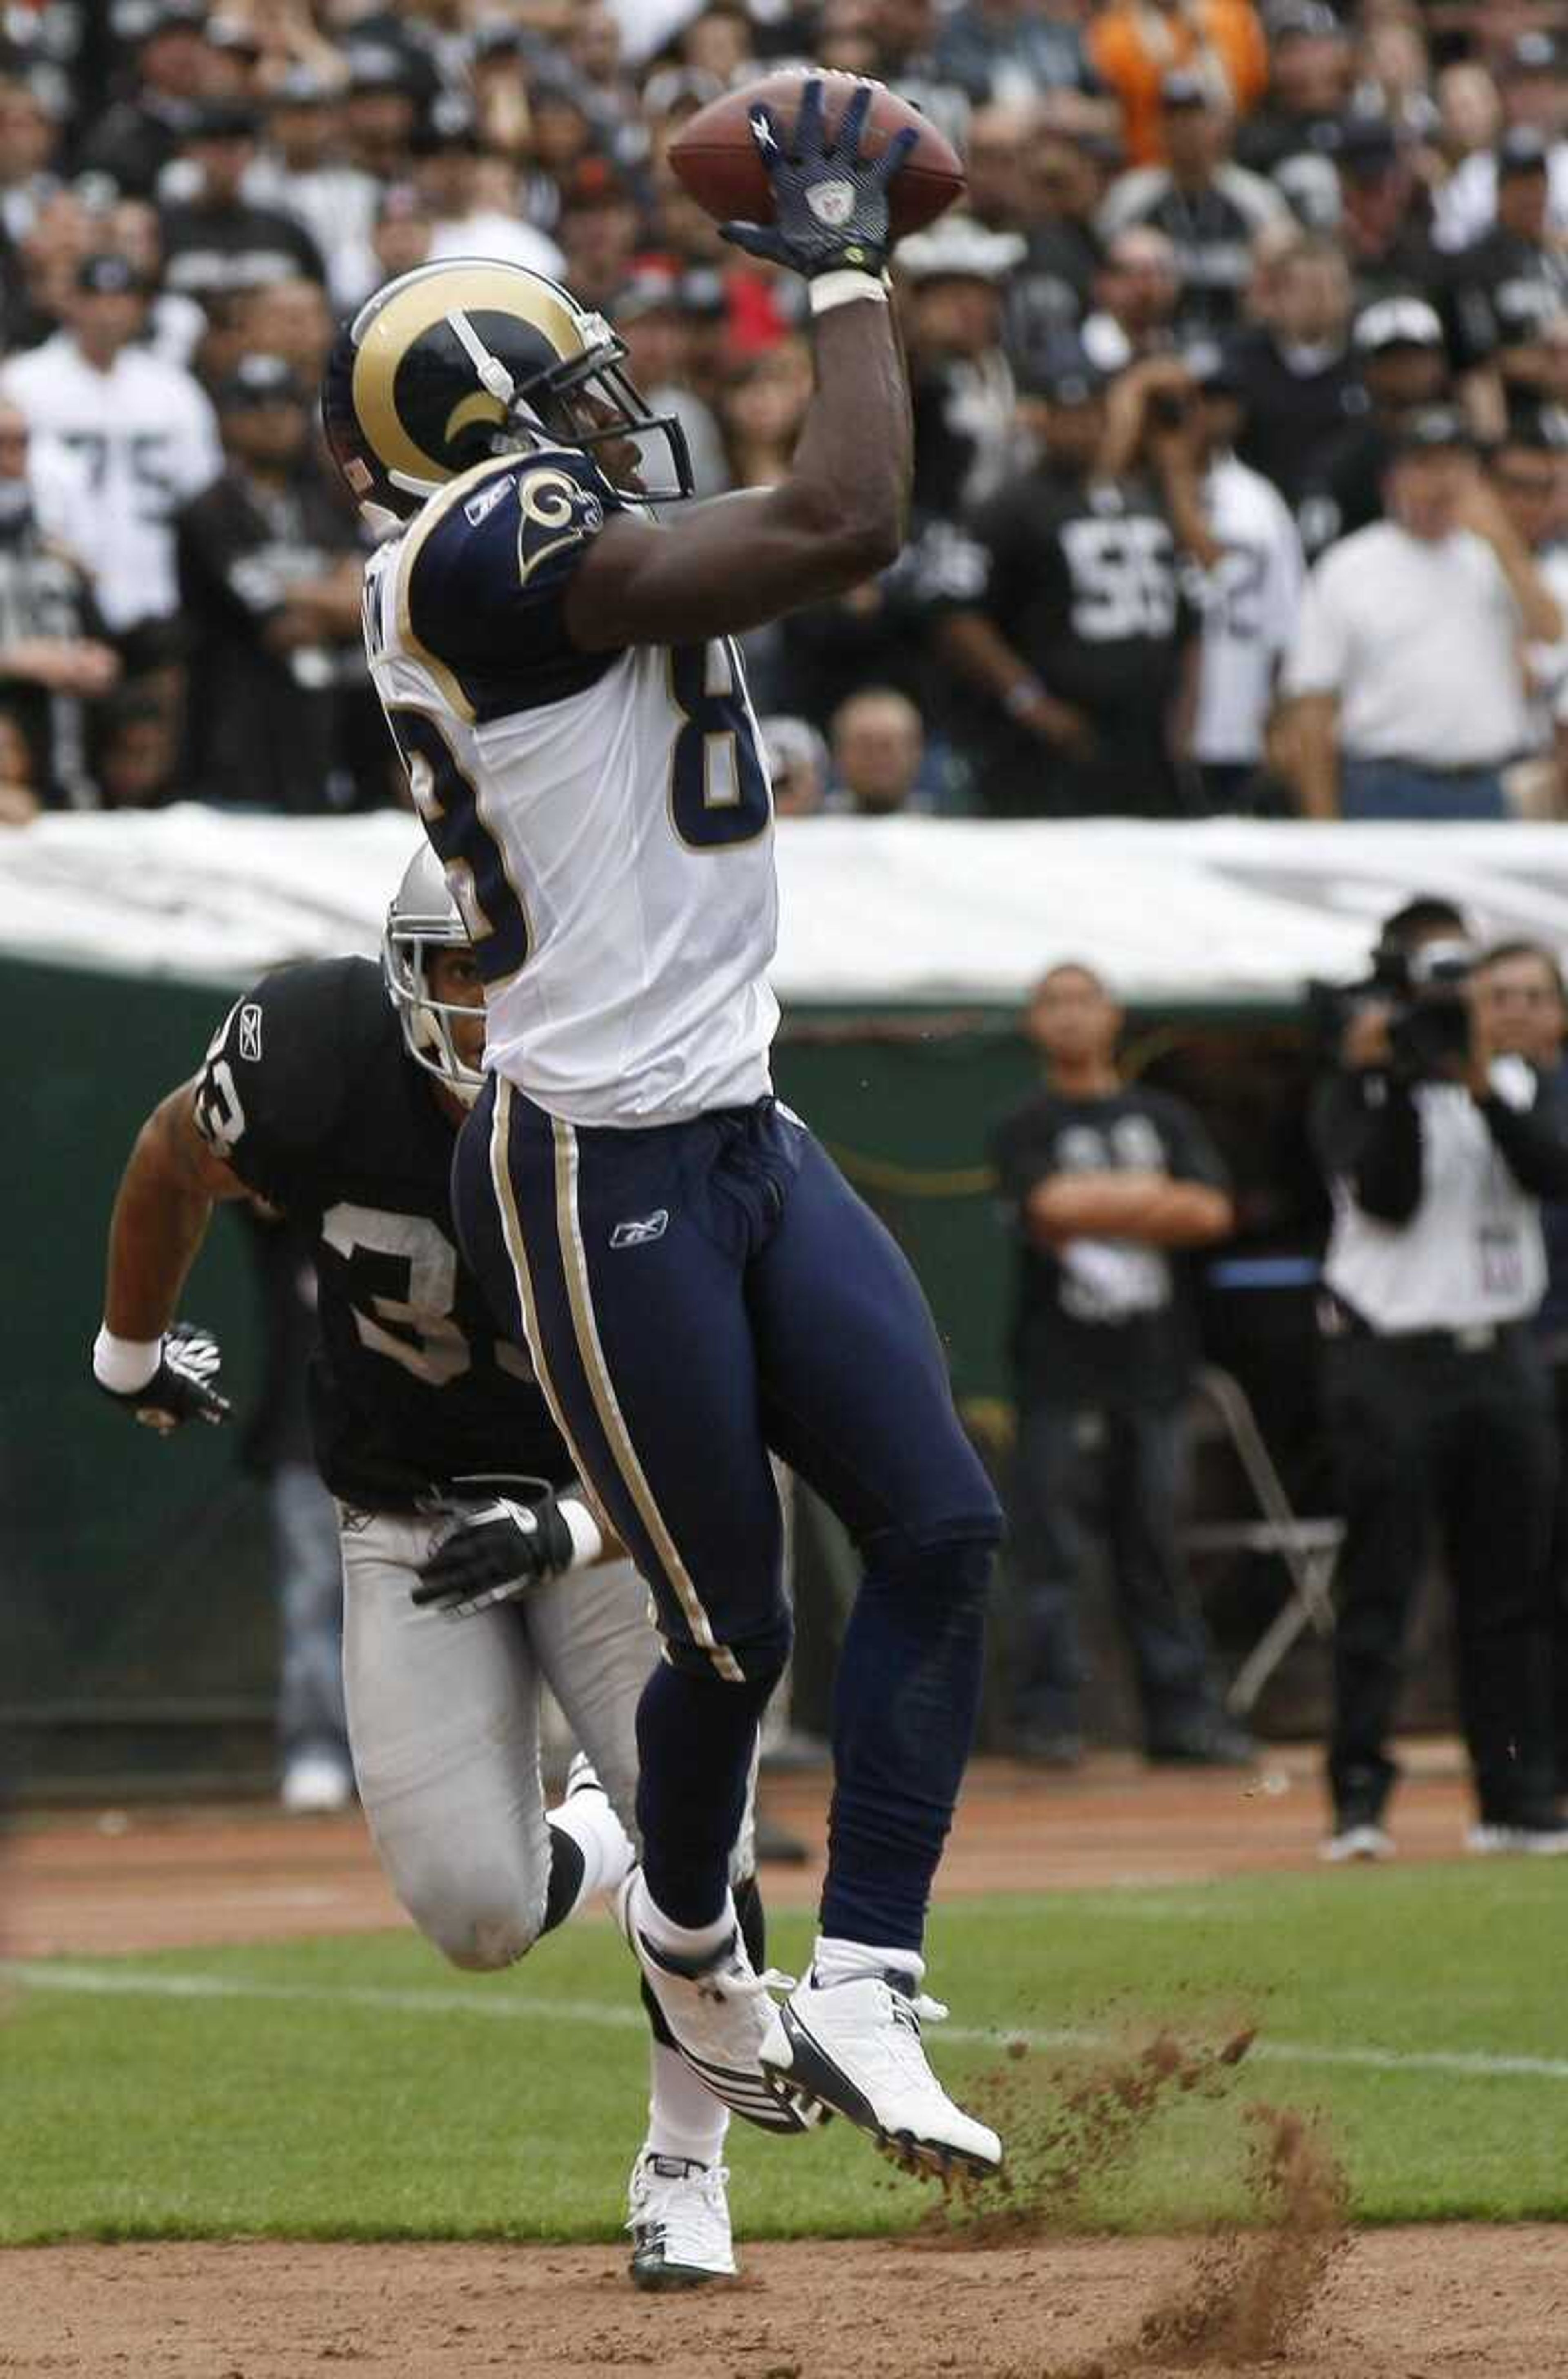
402 1291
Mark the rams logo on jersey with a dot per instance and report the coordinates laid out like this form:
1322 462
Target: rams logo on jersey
555 512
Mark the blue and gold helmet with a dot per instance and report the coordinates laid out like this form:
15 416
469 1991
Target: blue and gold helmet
455 362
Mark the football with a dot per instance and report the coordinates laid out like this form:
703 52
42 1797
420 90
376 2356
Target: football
714 157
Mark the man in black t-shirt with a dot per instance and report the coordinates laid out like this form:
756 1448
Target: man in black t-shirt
269 579
216 244
474 1568
1108 1186
1509 288
1082 601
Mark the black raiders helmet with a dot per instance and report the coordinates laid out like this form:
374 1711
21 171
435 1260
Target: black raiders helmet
455 362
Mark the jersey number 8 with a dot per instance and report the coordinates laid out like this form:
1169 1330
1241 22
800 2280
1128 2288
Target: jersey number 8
718 791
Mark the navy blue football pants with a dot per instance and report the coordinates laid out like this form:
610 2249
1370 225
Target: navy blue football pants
696 1295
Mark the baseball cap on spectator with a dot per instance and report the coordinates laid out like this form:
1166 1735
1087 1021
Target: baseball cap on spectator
1521 149
1062 376
221 119
653 285
448 122
958 249
233 34
701 294
595 180
376 65
1183 87
1528 54
301 86
1436 428
1303 21
1364 147
1396 322
170 17
109 275
259 380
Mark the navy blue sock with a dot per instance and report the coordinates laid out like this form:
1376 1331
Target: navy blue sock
905 1706
695 1736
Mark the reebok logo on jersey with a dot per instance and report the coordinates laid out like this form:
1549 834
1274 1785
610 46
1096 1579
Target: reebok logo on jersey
641 1229
476 509
251 1034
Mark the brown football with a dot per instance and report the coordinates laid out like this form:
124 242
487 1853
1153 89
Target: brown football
714 157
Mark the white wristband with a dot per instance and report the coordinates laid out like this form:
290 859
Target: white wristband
123 1365
844 288
583 1529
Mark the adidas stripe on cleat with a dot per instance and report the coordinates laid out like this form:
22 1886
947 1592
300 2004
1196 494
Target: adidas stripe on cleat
718 2011
855 2049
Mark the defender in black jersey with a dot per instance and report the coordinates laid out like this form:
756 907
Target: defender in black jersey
472 1568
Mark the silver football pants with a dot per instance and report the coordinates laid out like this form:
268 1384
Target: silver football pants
443 1723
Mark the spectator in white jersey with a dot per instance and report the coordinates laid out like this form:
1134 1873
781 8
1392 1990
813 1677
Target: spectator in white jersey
1437 1150
142 430
1249 594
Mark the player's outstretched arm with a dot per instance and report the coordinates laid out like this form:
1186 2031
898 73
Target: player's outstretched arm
164 1202
838 517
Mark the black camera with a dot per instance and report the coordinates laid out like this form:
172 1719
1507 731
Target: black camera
1424 994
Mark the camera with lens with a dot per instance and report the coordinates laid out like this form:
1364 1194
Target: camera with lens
1423 993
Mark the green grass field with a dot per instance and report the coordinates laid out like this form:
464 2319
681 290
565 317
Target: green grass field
358 2088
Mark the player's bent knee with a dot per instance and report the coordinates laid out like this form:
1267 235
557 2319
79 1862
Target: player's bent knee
954 1566
478 1924
756 1659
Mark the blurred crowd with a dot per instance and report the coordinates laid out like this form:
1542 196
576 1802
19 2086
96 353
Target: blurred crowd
1240 386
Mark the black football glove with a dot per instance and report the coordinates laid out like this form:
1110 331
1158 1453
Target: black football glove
829 204
182 1388
493 1551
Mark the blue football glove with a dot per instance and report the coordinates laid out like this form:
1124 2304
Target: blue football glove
829 204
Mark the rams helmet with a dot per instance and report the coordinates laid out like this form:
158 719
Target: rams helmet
423 918
455 362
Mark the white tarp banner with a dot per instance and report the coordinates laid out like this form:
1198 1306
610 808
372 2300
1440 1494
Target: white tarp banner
905 909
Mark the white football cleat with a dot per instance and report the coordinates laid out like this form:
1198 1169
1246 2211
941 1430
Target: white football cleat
1499 1842
678 2213
855 2047
717 2010
1353 1842
316 1782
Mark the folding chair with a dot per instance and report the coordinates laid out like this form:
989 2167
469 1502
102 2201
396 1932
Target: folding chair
1308 1546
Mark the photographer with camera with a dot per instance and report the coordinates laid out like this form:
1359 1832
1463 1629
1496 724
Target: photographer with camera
1435 1401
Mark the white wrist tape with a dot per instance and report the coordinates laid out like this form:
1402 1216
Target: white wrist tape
844 288
123 1365
583 1529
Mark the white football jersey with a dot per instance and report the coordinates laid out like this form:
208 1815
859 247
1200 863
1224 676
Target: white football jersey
144 438
605 819
1249 602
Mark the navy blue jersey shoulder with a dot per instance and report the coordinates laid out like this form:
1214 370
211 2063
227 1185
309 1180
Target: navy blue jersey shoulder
486 580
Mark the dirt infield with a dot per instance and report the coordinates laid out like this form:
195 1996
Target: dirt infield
1298 2297
1490 2305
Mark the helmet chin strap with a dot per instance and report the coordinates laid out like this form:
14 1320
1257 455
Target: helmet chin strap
494 378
